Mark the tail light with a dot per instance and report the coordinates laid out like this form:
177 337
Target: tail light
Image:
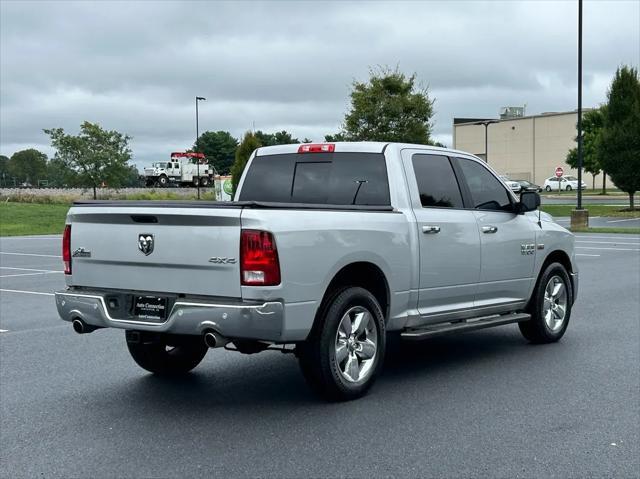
66 249
317 148
259 265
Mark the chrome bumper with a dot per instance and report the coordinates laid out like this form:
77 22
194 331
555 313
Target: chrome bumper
241 320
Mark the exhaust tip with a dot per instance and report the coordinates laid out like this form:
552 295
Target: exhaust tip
78 326
211 339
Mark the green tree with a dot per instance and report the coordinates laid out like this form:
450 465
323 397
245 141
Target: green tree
619 143
4 170
28 166
279 138
97 156
335 137
592 122
60 175
249 143
390 106
220 149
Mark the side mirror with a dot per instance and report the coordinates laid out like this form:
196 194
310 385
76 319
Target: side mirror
529 201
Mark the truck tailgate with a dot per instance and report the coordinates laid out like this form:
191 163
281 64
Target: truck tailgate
194 250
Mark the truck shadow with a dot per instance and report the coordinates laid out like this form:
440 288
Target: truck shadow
271 380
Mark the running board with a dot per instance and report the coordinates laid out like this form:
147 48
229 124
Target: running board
471 324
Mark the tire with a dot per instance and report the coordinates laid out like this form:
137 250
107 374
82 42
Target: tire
547 324
568 188
165 355
163 181
547 188
204 181
338 363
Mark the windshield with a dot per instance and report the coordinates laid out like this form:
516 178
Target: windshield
159 165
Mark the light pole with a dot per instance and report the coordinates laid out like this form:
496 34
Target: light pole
579 104
198 98
486 124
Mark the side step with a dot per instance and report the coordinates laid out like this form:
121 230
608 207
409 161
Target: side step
472 324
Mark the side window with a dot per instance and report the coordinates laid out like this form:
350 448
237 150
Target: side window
437 182
487 191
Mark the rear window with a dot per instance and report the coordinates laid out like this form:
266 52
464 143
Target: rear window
318 178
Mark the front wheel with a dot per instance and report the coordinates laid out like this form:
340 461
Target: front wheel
547 188
163 181
344 352
550 306
164 354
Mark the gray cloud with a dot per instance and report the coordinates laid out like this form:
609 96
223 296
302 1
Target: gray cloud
136 66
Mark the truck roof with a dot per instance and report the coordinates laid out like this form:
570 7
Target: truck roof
352 146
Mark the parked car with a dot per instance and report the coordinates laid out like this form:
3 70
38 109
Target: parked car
345 244
566 183
528 186
514 185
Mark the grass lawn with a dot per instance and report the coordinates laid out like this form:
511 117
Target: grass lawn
31 218
594 210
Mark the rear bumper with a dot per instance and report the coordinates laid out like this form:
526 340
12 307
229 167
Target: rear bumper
241 320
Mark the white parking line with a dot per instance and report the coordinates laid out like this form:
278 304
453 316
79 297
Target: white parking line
621 235
31 254
620 221
28 274
32 269
586 254
25 292
611 249
4 330
635 243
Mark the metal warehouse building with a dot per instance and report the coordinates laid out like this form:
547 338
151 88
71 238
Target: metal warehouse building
522 147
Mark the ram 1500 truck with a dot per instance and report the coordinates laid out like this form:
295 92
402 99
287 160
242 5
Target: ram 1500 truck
326 250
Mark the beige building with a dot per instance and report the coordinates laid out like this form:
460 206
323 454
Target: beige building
524 148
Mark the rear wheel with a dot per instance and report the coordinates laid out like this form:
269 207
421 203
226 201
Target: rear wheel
550 306
344 353
165 354
204 181
548 188
568 188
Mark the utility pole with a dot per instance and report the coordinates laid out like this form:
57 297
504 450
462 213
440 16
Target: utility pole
198 98
486 124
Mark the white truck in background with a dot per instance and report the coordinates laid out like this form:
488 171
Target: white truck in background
184 169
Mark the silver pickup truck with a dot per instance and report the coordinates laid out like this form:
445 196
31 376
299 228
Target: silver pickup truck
326 251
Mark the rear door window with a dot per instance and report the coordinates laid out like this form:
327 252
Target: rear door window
318 178
437 182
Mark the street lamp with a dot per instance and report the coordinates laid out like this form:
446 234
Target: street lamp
198 98
486 124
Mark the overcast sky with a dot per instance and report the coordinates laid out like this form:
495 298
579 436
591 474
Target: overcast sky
136 66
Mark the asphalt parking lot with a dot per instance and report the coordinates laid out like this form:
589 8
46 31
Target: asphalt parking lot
482 404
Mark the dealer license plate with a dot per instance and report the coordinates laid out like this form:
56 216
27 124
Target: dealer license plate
150 308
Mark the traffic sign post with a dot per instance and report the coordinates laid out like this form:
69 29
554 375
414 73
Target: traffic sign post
559 174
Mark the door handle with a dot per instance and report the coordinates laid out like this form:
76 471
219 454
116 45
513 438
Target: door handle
489 229
430 229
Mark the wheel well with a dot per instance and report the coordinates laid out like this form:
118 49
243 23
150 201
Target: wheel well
559 256
365 275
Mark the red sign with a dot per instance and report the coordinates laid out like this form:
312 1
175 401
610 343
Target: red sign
559 171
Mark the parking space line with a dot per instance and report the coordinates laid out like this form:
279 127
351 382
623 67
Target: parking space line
25 292
33 269
4 330
621 235
611 249
28 274
587 254
31 254
635 243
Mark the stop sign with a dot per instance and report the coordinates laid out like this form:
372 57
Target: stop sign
559 171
